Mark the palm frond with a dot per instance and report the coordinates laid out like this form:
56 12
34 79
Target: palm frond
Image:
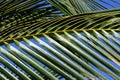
78 45
106 20
74 7
11 9
36 45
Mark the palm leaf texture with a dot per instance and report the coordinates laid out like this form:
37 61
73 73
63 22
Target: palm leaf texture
79 41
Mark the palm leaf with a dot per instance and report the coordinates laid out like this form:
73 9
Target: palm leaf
77 47
72 7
